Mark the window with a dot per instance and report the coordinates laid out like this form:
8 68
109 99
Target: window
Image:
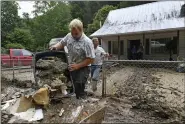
158 46
147 46
115 47
16 52
26 53
109 47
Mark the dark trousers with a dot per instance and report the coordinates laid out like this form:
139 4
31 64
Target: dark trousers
80 79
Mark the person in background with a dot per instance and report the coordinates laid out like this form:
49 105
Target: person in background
81 55
100 54
140 51
134 51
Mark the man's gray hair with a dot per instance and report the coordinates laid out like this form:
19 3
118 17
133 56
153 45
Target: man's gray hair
76 23
94 38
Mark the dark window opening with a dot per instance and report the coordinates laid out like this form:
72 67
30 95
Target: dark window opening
109 47
115 47
99 41
121 47
147 46
164 45
182 12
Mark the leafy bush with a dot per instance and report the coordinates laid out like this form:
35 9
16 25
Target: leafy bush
101 15
3 50
20 37
14 46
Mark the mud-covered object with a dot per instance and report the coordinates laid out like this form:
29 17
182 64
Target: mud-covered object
52 71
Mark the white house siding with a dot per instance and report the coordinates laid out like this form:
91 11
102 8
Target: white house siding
149 36
182 43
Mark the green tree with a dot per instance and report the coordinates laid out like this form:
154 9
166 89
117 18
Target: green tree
41 7
9 18
124 4
53 23
20 36
100 16
86 10
14 46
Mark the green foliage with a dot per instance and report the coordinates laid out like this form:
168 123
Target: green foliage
51 20
21 36
9 18
14 46
124 4
53 23
86 10
101 15
3 50
41 7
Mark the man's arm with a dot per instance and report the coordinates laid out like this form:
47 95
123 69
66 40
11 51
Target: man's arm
61 44
57 46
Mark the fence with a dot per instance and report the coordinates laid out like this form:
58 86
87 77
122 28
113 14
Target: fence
154 85
20 70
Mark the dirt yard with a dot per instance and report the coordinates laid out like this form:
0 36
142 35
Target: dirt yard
135 95
155 95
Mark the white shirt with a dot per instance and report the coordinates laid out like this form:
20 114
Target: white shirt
99 54
78 50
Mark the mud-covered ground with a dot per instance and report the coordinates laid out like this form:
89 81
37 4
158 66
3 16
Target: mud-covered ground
147 95
156 95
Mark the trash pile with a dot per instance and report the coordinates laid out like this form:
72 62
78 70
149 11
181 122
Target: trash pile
39 104
28 104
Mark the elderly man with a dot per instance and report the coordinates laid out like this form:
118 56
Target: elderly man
96 65
81 52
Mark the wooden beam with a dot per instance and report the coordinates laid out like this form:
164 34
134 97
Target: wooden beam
119 48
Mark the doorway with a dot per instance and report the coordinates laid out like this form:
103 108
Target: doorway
135 43
131 44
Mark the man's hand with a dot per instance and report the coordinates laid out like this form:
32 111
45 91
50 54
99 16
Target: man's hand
57 46
53 48
74 67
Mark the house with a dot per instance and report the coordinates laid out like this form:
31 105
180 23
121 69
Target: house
153 24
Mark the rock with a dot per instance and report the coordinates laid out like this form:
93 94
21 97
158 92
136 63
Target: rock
44 64
56 84
29 84
5 116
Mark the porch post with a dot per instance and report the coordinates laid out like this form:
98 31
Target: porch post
144 43
118 47
177 43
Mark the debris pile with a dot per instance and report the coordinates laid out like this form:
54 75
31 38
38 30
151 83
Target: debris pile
38 104
53 74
